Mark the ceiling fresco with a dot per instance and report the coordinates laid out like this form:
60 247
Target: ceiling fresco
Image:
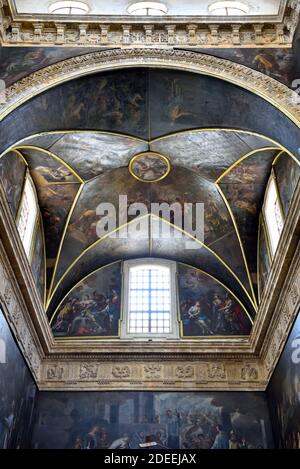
12 176
57 188
147 104
18 62
99 296
287 173
90 153
140 242
79 140
244 189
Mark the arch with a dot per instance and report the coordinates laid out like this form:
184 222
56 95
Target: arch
277 94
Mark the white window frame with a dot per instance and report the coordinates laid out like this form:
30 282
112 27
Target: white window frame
272 238
174 320
28 246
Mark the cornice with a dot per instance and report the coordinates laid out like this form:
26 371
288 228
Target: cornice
118 31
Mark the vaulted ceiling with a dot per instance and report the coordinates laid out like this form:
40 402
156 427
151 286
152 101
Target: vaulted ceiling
79 138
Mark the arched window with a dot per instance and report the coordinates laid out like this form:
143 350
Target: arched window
149 299
28 215
273 214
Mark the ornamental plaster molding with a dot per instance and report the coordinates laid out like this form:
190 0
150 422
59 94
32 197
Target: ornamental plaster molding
119 31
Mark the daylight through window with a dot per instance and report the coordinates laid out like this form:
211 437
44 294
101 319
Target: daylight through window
28 215
273 215
149 300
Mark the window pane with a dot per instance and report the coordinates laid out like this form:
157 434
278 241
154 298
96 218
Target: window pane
149 299
273 215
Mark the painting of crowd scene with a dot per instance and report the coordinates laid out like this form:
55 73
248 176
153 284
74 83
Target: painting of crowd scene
12 175
93 307
287 172
284 393
207 308
152 420
17 393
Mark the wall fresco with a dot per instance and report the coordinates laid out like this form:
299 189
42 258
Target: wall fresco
93 307
123 420
284 394
207 308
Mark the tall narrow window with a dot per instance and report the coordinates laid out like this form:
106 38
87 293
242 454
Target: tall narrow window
28 214
273 215
151 309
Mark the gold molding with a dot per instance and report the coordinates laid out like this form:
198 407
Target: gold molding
149 153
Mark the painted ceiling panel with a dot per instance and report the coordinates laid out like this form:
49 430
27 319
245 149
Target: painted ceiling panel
220 312
287 172
46 169
90 153
182 186
147 103
210 152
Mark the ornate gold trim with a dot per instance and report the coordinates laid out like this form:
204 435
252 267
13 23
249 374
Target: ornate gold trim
153 153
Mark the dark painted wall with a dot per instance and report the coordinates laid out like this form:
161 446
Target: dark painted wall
284 393
172 419
17 393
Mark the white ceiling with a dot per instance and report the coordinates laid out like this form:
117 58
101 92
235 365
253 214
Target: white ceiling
175 7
